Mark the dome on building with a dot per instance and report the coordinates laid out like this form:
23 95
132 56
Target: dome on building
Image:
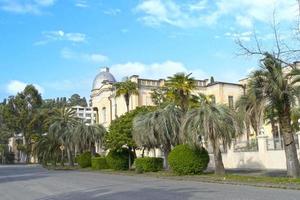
103 76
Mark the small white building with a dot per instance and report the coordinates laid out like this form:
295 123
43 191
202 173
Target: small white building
85 113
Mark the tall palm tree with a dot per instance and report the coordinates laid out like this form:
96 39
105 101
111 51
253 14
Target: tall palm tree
180 87
127 89
158 129
279 87
62 126
86 136
217 124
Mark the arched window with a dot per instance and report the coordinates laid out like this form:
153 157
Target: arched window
104 114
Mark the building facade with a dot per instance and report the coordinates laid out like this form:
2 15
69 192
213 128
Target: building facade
87 114
108 107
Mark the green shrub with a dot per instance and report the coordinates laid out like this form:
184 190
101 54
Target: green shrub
76 159
84 159
184 160
99 163
97 155
148 164
118 160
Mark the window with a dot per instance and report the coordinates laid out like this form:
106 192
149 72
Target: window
213 99
88 115
103 114
230 101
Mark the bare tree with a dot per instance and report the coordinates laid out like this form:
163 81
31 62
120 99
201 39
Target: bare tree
285 47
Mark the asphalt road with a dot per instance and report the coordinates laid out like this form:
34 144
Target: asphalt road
34 183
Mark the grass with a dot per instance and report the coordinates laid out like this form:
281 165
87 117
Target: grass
259 181
229 178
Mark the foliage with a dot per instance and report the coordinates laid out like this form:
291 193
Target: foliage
127 89
159 96
158 129
85 136
185 160
85 159
279 89
99 163
19 114
118 159
148 164
76 100
120 130
180 87
47 149
213 123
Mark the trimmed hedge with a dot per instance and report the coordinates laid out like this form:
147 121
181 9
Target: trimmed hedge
99 163
84 159
185 160
148 164
118 160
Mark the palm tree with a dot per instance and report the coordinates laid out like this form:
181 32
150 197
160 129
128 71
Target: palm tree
180 87
217 124
127 89
86 136
62 126
47 148
251 109
279 88
158 129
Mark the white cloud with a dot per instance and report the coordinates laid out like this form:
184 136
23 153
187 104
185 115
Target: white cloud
90 57
24 7
81 3
157 12
196 13
60 35
198 6
15 86
244 36
112 12
153 71
244 21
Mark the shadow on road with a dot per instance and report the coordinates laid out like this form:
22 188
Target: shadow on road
141 194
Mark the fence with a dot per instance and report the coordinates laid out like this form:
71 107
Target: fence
262 153
274 144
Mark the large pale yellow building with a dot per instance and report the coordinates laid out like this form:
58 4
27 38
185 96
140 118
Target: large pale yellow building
108 106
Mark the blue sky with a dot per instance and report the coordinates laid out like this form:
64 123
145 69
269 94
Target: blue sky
60 45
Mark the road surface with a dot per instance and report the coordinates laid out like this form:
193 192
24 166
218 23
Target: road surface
35 183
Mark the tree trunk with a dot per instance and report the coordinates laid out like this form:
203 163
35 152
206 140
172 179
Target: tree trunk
62 159
166 151
248 131
292 162
219 166
127 99
274 128
70 157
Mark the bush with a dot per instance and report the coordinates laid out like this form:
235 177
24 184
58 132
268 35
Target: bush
118 160
184 160
84 159
99 163
97 155
76 158
148 164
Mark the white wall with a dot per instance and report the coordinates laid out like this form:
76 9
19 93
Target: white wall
262 159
